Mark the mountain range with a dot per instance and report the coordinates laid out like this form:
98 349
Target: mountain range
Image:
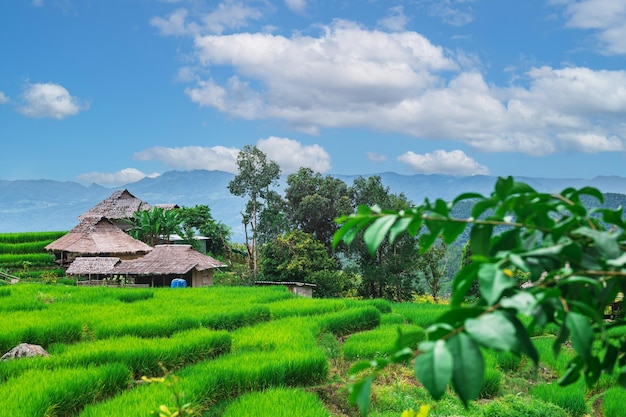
42 205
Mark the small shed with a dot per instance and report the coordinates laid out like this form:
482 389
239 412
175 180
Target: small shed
168 262
96 236
118 207
298 288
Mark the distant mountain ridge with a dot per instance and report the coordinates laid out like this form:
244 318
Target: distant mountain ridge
42 205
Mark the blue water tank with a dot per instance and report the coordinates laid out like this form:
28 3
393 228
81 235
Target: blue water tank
179 283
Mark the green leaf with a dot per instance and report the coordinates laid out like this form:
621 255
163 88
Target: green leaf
581 333
594 192
523 302
360 394
469 367
492 282
480 237
434 369
503 187
605 242
524 344
466 196
521 188
376 232
452 230
610 358
481 206
572 373
359 367
621 377
400 226
462 282
493 330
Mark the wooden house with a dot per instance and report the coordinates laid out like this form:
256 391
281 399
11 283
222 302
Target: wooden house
155 269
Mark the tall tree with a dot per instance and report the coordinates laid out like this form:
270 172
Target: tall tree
313 202
432 266
256 176
199 220
392 271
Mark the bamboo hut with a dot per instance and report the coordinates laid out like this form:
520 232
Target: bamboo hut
96 237
118 207
167 262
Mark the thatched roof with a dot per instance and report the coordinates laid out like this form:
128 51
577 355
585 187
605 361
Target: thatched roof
94 236
119 205
93 265
168 260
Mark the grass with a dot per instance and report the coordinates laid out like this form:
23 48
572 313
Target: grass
268 343
293 402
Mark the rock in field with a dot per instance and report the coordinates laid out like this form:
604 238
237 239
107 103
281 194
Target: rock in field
24 350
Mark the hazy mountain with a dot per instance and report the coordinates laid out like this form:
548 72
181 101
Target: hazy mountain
39 205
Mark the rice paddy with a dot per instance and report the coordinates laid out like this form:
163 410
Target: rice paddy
242 351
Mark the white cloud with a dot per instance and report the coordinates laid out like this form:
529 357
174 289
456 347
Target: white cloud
228 15
376 157
297 6
125 176
291 155
4 98
605 17
347 76
175 24
217 158
442 162
396 20
38 3
49 100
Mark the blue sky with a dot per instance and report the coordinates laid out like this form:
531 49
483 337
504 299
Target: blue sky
111 91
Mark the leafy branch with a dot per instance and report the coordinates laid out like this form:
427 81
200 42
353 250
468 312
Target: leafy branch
575 260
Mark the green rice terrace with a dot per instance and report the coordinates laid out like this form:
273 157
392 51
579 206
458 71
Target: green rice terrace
238 351
218 348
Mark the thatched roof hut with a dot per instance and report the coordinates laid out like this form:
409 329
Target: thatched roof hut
96 237
118 207
166 262
96 265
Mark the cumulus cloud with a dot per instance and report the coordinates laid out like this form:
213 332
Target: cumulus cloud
442 162
605 17
348 76
291 155
216 158
4 98
49 100
125 176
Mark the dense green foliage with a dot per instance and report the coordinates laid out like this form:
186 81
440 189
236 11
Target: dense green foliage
574 258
